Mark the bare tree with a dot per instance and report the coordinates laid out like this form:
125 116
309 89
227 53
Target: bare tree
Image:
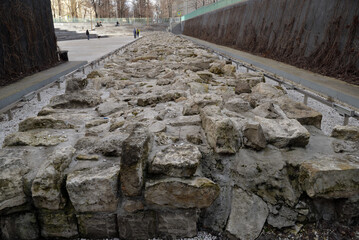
59 7
122 8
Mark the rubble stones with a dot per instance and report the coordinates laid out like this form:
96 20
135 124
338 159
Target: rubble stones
237 105
22 226
229 69
135 151
284 132
81 99
140 225
94 190
43 122
110 107
58 224
330 177
248 215
12 183
178 224
46 187
181 193
34 138
195 104
253 136
242 86
284 217
303 114
97 225
221 133
176 161
350 133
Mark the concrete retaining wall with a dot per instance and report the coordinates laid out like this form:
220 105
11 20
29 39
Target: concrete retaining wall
27 38
320 35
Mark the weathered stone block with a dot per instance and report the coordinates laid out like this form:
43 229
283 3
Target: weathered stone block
350 133
242 86
253 136
284 217
177 224
21 226
76 84
299 111
97 225
185 121
140 225
96 122
94 190
199 101
153 99
182 193
269 110
135 151
176 161
284 132
198 88
46 187
248 215
330 177
107 108
132 206
34 138
58 224
43 122
78 99
229 69
11 182
221 132
237 105
268 90
205 76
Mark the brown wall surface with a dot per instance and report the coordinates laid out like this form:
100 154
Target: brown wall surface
27 38
319 35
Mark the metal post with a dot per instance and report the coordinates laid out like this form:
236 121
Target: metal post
58 84
10 115
305 99
346 120
38 96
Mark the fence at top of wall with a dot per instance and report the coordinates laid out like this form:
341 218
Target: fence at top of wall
114 20
210 8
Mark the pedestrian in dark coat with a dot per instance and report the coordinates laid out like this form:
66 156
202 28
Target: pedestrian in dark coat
88 34
138 32
134 32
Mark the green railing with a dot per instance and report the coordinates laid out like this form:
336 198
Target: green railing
112 20
210 8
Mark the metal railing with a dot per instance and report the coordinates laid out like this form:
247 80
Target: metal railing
210 8
342 110
122 21
89 66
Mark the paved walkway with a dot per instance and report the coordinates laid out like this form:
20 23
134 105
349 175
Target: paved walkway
335 88
89 50
80 52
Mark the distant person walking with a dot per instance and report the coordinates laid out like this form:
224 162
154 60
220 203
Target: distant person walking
138 32
134 32
88 34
